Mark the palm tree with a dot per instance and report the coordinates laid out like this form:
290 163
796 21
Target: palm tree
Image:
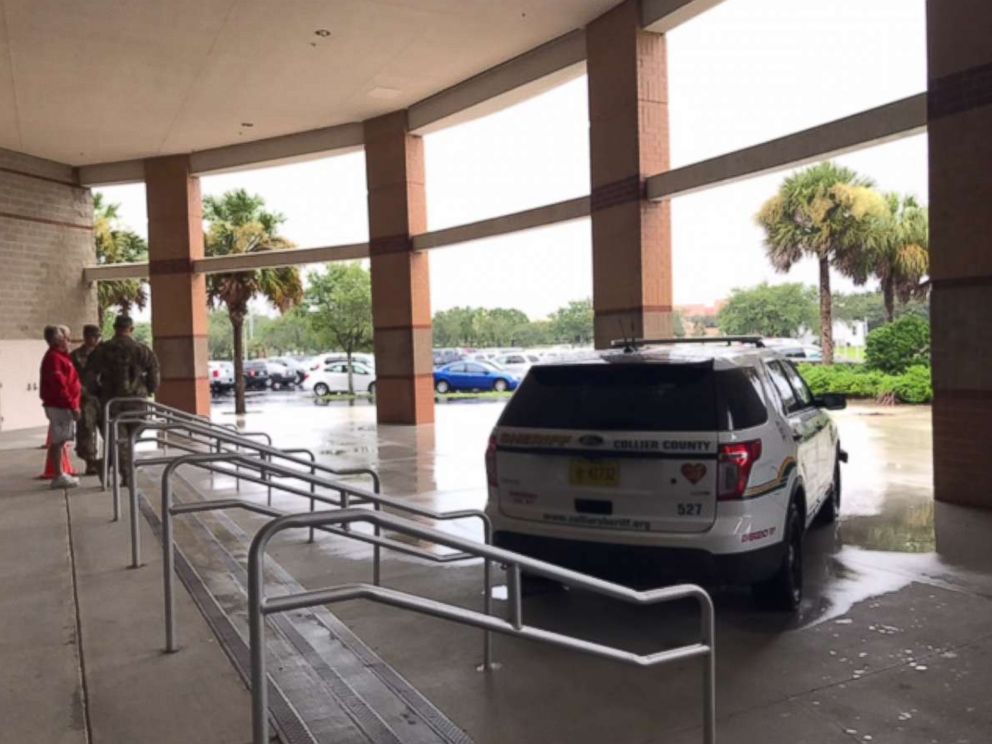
829 213
116 245
902 257
239 224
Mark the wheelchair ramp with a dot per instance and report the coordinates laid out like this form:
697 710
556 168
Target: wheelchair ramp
326 685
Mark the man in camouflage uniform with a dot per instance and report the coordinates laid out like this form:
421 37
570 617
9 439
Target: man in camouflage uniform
89 419
122 367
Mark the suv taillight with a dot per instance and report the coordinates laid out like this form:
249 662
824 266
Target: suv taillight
734 468
491 474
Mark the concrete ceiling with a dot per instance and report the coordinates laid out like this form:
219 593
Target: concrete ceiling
87 81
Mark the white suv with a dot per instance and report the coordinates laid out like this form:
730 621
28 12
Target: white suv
687 459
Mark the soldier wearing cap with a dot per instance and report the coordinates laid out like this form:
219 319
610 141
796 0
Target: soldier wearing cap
89 419
122 368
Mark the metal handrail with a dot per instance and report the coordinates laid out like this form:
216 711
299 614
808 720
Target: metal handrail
169 412
190 423
142 424
259 605
111 430
231 433
206 459
190 426
172 444
150 405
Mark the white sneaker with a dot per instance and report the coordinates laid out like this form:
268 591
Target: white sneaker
64 481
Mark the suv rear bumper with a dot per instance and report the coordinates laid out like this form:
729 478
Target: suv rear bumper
641 565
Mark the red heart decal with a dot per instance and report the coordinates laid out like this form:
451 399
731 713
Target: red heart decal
694 472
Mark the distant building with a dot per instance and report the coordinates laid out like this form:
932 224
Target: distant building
845 334
701 320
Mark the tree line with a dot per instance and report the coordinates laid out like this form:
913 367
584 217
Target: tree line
786 310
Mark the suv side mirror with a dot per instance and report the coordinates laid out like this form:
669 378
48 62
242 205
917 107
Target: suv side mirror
831 401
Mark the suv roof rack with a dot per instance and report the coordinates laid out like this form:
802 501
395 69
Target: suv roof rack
629 344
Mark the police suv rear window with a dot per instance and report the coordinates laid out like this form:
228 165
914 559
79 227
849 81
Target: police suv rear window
742 400
636 397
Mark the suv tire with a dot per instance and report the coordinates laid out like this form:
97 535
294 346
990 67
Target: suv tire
784 590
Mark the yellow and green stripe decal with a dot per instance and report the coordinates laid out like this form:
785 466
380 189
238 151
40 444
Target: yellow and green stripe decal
784 470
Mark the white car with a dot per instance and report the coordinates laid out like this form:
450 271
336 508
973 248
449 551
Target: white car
322 360
221 376
517 362
691 460
333 378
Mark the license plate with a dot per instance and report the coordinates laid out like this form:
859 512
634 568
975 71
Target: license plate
598 473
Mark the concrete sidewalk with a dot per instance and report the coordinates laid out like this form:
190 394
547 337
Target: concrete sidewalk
82 634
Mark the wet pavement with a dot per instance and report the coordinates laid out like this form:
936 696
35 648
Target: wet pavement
889 521
892 642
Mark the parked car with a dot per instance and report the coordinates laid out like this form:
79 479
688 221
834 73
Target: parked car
792 349
221 377
334 379
298 369
280 376
517 362
447 356
701 462
322 360
473 376
256 373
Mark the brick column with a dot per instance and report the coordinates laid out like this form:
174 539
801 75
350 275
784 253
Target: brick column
401 306
628 141
179 300
960 123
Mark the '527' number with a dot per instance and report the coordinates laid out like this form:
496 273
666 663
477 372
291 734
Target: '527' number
690 509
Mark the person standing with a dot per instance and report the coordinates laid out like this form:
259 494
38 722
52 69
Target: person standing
61 394
89 420
122 368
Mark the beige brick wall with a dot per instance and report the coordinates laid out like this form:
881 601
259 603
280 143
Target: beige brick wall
45 241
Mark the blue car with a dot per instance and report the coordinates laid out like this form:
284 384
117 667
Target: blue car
473 376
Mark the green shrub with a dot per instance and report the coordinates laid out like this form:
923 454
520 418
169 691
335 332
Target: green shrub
857 381
897 346
914 385
853 380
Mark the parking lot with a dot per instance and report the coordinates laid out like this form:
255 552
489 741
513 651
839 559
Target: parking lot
888 645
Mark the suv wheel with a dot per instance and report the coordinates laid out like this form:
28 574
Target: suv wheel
784 590
831 507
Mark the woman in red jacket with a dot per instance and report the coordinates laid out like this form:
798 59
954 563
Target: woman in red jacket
60 395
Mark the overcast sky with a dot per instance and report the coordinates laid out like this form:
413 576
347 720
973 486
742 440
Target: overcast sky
742 73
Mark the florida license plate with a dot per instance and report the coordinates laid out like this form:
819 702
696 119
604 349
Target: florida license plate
594 473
